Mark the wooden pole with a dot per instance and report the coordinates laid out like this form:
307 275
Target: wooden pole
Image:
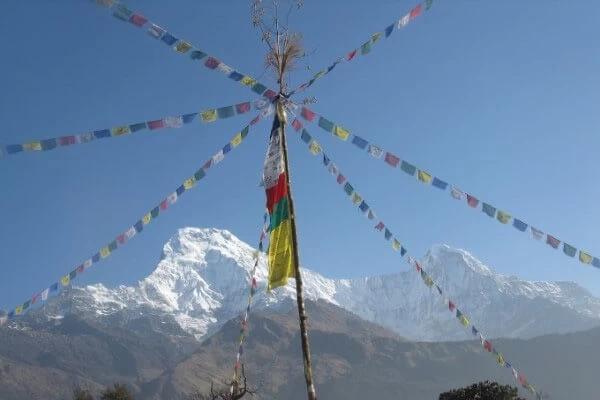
279 122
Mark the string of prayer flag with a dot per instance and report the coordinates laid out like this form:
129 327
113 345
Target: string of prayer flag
366 47
184 47
428 281
176 121
428 179
253 286
134 229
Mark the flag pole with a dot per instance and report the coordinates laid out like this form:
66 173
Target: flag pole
280 120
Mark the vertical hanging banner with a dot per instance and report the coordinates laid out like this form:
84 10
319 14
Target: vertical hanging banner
281 261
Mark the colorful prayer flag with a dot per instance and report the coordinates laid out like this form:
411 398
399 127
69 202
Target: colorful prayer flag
359 142
488 209
356 199
237 139
569 250
503 217
146 219
120 130
438 183
209 115
341 132
212 63
408 168
248 81
173 122
169 39
138 20
155 31
396 245
585 257
456 193
424 177
314 147
225 112
104 252
472 201
182 47
65 280
537 234
391 159
157 124
326 125
308 114
375 151
552 241
520 225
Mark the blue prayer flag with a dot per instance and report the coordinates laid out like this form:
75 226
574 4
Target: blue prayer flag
139 226
137 127
520 225
326 159
364 207
225 112
408 168
154 212
180 190
359 142
438 183
227 148
236 76
488 209
54 286
187 118
103 133
169 39
569 250
112 245
402 251
305 136
48 144
197 55
596 262
96 258
387 234
14 148
389 30
348 188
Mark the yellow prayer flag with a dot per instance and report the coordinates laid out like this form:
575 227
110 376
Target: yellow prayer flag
503 217
147 218
375 37
500 360
315 148
585 257
248 80
104 252
189 183
18 310
65 280
209 115
341 132
281 261
120 130
32 146
237 139
424 177
356 199
464 320
182 47
395 245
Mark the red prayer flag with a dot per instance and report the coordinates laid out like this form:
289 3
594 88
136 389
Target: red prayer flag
487 345
80 269
451 306
308 114
341 179
418 266
242 107
255 120
297 125
270 94
156 124
277 192
351 55
212 63
391 159
472 201
66 140
121 238
138 20
379 226
415 12
552 241
164 205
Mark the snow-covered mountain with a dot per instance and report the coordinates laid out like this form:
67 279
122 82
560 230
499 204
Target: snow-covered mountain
201 282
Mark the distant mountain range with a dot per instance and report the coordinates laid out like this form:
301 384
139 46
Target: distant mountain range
353 359
201 282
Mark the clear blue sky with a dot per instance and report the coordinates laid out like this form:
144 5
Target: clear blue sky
500 98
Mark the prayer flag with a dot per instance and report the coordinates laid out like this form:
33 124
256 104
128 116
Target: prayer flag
341 132
375 151
520 225
456 193
44 294
47 144
396 244
212 63
189 183
248 81
375 37
424 177
365 48
153 213
408 168
173 122
415 12
237 139
105 251
236 76
197 55
379 226
351 55
472 201
182 47
402 251
487 345
325 124
138 20
14 148
503 217
438 183
404 21
391 159
387 234
364 207
137 127
326 160
340 179
209 115
243 107
32 146
280 258
18 310
537 234
488 209
356 199
65 280
585 257
314 147
198 175
348 188
155 31
451 306
389 30
569 250
270 94
146 219
359 142
121 12
307 114
120 130
462 318
225 112
258 88
224 68
131 232
428 4
67 140
552 241
157 124
596 262
305 136
297 125
169 39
